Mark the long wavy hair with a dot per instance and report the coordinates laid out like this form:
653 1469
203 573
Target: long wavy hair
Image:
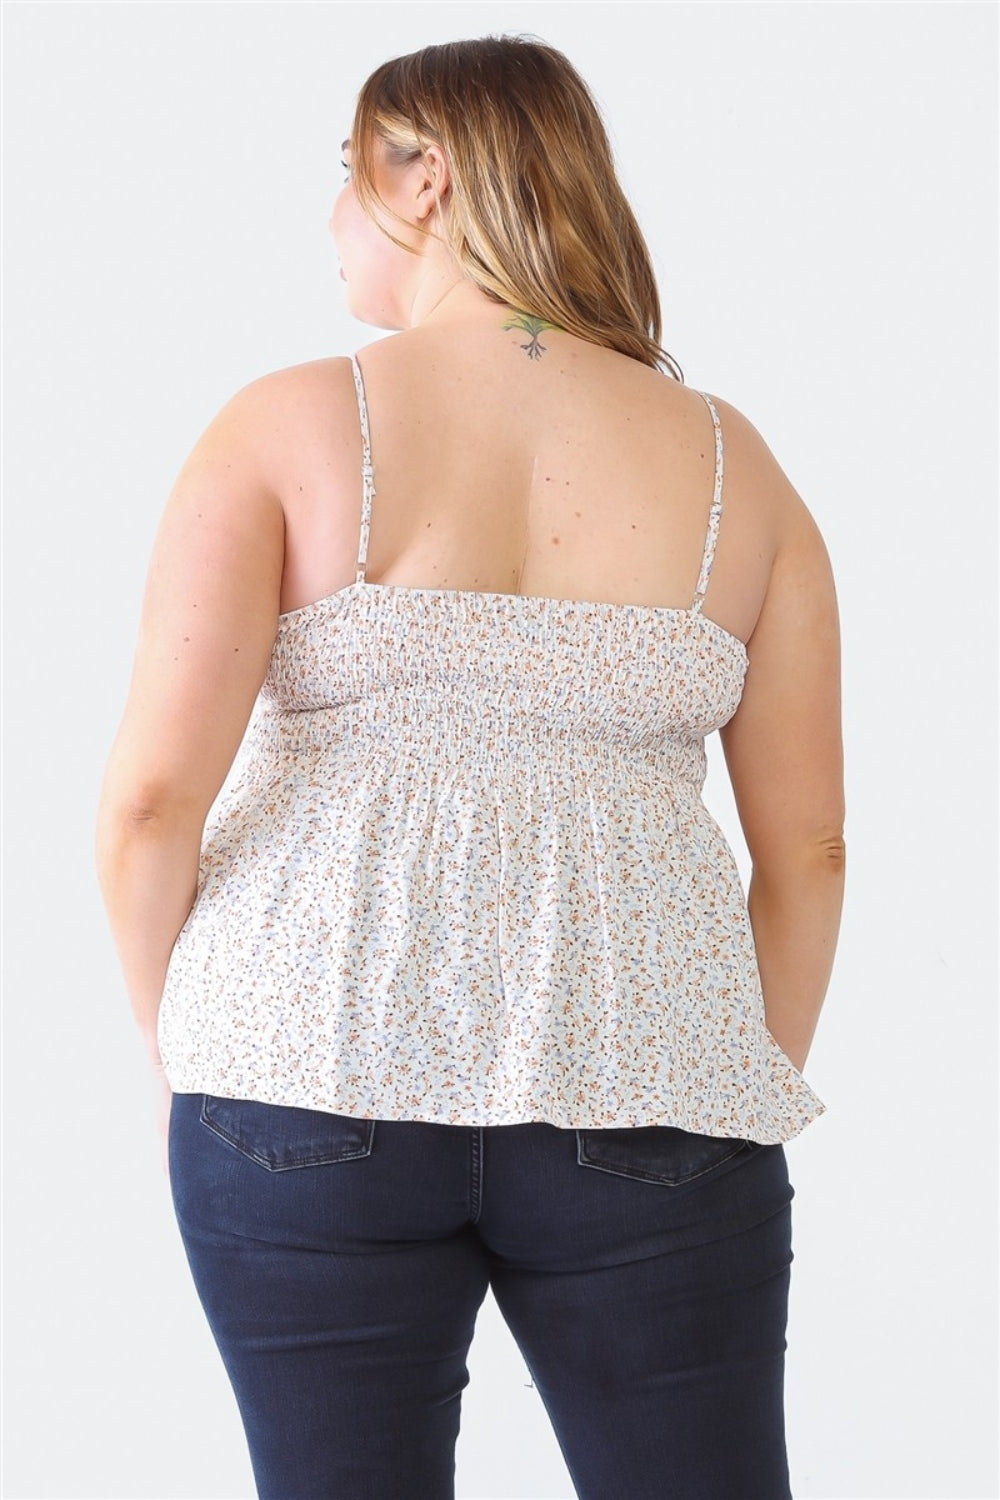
536 216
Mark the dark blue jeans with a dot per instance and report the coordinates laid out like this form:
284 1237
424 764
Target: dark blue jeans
644 1274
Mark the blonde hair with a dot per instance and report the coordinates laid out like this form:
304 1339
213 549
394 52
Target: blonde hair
537 218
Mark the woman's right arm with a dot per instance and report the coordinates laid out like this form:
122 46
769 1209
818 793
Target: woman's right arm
784 753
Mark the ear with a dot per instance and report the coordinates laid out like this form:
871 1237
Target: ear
435 177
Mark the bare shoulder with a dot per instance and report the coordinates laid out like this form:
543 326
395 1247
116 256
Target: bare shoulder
287 387
283 396
753 472
783 746
295 414
801 583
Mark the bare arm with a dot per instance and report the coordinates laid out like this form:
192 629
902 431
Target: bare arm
784 753
208 622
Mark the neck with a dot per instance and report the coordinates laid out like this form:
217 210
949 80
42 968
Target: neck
440 300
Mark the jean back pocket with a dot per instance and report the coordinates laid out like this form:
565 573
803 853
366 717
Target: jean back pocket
280 1136
664 1154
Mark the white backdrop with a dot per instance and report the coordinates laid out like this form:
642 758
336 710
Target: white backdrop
817 184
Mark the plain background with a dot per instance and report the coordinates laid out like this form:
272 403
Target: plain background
817 186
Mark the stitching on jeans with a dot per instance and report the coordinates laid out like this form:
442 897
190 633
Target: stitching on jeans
638 1175
310 1161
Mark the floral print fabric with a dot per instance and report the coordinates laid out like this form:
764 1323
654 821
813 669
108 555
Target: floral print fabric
462 872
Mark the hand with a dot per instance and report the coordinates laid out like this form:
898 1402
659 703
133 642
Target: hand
162 1096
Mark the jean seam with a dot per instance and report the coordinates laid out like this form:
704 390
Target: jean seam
638 1175
312 1161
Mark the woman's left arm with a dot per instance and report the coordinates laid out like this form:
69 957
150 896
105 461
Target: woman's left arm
207 627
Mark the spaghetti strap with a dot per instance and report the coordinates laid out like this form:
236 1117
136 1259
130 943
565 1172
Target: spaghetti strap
367 474
715 514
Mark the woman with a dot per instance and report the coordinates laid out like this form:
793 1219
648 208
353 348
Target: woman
457 988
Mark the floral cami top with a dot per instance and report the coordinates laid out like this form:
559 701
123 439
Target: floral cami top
461 871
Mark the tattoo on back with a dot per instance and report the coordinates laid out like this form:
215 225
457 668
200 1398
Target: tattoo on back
533 326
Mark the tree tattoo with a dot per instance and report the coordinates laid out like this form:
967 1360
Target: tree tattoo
530 324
